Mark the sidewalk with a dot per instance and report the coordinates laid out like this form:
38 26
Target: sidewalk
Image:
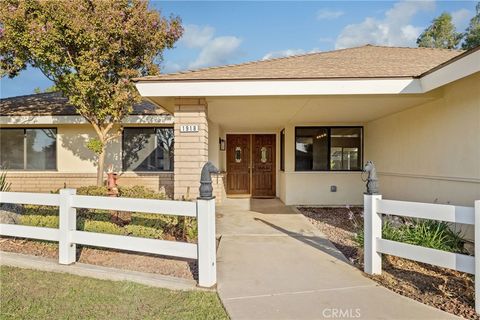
279 266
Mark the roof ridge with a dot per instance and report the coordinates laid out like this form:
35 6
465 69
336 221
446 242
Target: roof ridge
413 48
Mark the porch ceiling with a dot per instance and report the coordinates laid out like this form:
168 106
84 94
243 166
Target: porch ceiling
270 113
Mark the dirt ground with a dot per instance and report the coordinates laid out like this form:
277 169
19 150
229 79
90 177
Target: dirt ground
182 268
441 288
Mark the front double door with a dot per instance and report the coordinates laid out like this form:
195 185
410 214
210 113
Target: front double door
251 165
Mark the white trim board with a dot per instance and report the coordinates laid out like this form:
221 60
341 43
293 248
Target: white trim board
456 70
220 88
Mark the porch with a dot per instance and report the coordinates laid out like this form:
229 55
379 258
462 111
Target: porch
232 131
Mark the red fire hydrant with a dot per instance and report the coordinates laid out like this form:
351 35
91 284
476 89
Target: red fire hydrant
112 182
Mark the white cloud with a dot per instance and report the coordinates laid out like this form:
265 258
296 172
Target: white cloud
287 53
327 14
217 51
211 50
395 29
461 18
169 67
195 36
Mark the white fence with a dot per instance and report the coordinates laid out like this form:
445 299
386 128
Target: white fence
375 246
68 237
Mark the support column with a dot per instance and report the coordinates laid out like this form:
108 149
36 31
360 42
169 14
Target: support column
191 148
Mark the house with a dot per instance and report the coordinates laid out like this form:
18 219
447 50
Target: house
297 128
43 145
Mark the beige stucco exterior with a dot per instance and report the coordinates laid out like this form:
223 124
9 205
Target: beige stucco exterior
426 150
431 153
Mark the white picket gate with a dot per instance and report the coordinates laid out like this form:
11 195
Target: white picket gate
68 237
375 246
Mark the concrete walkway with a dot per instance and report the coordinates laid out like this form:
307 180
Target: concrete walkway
273 264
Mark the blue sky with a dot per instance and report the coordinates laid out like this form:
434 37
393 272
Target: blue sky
229 32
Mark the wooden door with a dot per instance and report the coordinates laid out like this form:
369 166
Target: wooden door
263 172
238 163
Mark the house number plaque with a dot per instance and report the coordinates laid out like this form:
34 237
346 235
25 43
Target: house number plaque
189 128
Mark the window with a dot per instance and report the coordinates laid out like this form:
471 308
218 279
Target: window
28 149
328 148
282 150
148 149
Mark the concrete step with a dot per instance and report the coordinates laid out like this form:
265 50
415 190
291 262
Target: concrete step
243 203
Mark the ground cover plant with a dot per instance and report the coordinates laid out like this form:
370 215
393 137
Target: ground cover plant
421 232
31 294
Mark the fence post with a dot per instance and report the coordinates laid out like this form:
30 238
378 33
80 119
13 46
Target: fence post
477 256
207 246
372 231
68 222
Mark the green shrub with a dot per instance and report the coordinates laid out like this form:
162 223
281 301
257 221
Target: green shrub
155 220
140 192
39 210
433 234
97 215
4 185
39 221
143 232
102 227
420 232
189 227
92 191
139 224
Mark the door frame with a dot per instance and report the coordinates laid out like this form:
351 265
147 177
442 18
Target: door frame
277 159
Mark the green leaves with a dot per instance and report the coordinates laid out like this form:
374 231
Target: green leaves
440 34
90 49
420 232
472 34
95 145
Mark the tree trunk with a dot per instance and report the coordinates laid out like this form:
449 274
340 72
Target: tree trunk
100 166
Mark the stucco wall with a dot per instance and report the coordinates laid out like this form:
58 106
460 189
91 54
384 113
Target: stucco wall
313 188
74 156
431 153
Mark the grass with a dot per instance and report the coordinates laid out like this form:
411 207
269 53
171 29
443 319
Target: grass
30 294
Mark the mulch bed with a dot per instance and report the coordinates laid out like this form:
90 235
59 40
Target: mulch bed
177 267
445 289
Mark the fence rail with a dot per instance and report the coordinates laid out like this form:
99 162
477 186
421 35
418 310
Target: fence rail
68 237
375 246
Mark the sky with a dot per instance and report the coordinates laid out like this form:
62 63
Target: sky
229 32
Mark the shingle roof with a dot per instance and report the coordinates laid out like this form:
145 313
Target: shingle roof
360 62
43 104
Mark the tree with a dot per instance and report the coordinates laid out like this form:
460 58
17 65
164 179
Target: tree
90 50
472 34
47 90
440 34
